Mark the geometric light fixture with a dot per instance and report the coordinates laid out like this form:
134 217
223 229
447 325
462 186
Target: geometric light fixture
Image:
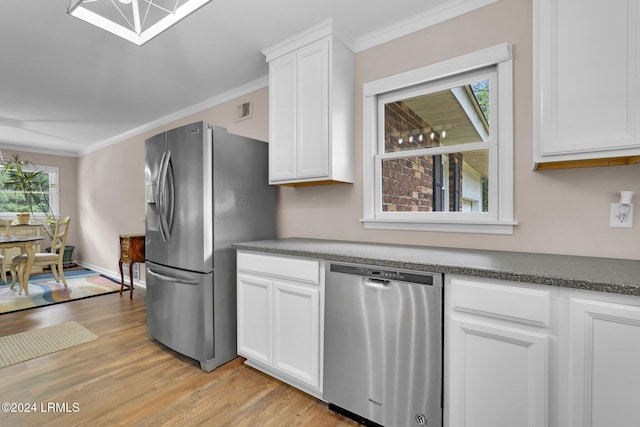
137 21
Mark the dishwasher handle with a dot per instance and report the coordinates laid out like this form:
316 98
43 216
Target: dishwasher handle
374 283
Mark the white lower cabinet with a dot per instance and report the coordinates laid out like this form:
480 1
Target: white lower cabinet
280 317
533 355
296 331
254 318
599 361
498 337
516 354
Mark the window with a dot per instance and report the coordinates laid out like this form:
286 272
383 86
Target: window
438 149
46 195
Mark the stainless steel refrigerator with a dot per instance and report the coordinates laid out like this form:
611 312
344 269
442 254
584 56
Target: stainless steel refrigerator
205 190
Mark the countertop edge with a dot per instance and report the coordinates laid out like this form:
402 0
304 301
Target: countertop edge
354 252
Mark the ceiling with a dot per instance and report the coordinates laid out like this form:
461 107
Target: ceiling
67 87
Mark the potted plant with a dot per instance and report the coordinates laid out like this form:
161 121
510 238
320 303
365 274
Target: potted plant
23 216
23 178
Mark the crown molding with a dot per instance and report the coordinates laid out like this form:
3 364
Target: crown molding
28 149
257 84
444 12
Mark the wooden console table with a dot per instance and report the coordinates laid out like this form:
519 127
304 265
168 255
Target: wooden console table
131 251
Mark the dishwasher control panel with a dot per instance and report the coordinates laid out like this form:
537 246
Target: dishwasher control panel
423 278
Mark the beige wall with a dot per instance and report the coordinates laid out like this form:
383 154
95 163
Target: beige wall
67 187
111 180
565 211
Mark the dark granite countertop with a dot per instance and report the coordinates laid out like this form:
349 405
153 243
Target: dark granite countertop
599 274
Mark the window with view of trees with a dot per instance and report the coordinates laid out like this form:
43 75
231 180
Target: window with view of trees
437 142
41 196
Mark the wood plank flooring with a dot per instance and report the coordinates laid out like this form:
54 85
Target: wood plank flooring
124 379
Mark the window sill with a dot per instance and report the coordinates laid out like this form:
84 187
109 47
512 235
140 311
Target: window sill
479 227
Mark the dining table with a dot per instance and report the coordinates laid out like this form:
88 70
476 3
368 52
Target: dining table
27 247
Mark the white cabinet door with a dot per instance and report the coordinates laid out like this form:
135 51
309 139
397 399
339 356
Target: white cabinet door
282 113
254 318
586 73
296 331
600 362
498 352
498 376
312 112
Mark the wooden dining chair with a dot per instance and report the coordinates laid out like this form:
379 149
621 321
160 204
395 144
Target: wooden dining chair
5 231
53 259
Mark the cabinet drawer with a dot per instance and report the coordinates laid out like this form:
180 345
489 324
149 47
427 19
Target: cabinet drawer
509 301
303 270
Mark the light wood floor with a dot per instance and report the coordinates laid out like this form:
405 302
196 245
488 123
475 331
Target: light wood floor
123 378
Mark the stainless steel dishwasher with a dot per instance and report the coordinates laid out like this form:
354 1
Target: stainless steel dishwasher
383 345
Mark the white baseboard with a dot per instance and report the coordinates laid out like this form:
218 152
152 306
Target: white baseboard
113 274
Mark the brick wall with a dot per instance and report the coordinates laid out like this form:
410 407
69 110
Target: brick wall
407 184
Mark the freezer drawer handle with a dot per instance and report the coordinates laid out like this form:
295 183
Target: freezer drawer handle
172 279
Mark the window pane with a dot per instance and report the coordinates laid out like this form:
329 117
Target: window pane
455 182
458 115
15 201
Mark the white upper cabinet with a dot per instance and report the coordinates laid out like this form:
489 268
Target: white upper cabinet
586 82
310 109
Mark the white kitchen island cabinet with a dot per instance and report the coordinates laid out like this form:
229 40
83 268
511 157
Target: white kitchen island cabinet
498 341
280 313
586 91
599 359
310 109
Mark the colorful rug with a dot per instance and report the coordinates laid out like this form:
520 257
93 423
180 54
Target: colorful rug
43 290
28 345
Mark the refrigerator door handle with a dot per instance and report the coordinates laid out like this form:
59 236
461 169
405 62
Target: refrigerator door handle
171 279
162 196
170 194
158 197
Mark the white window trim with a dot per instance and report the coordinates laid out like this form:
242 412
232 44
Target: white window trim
502 222
54 186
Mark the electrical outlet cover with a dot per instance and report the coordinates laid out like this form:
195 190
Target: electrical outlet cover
615 221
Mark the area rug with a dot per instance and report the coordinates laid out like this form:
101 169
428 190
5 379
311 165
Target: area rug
43 290
28 345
